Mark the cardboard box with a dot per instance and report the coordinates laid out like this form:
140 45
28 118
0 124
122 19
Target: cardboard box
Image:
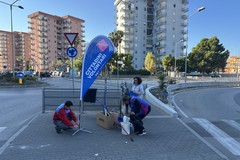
106 122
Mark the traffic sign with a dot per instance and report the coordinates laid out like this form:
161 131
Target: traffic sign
20 75
72 52
71 37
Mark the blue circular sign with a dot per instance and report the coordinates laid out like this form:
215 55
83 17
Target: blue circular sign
72 52
20 75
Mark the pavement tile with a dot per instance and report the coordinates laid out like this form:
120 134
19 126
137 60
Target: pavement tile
166 139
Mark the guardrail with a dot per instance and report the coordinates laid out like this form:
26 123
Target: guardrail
178 86
53 97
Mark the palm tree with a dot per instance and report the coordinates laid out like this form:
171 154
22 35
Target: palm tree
116 38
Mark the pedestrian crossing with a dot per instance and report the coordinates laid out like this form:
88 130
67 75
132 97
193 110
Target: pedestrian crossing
2 128
221 135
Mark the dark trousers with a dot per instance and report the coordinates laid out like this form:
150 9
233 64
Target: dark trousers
137 121
61 125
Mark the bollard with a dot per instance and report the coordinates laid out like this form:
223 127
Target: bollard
20 80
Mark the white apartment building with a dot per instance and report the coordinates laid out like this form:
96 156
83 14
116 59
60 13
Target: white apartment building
48 43
155 26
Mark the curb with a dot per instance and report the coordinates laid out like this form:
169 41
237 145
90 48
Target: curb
156 102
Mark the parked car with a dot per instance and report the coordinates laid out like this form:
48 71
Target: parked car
216 75
45 74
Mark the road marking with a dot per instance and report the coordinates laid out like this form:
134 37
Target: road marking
2 128
228 142
232 123
175 104
205 141
5 145
151 117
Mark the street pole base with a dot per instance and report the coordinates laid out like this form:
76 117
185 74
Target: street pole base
81 129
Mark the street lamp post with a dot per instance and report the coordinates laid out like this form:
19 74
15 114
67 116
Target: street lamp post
175 57
198 10
12 5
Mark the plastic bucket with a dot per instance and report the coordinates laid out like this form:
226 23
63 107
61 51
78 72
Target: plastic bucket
125 128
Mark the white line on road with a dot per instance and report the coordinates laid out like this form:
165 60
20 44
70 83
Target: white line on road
228 142
179 108
2 128
151 117
204 141
232 123
2 149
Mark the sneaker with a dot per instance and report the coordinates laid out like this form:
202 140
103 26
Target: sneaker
69 128
143 133
58 130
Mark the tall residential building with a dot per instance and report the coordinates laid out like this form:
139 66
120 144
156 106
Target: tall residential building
48 43
21 50
233 65
151 26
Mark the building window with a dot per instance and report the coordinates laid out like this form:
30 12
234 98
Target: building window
174 5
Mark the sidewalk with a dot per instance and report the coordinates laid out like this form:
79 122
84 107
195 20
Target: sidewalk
166 139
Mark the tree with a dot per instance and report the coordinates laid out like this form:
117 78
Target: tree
208 56
116 38
181 64
168 63
127 61
78 63
150 63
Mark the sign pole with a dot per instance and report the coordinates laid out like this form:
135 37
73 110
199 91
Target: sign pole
73 79
72 52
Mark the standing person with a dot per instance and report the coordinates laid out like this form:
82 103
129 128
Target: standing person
64 116
139 109
137 88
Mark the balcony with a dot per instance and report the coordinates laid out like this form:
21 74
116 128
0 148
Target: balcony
127 16
42 18
184 17
129 46
185 10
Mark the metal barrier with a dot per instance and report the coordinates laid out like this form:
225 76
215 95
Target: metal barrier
53 97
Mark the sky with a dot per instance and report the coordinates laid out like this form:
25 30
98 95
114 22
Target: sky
220 18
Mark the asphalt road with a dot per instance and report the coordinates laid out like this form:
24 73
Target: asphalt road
214 115
18 106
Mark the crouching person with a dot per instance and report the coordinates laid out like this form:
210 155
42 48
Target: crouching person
139 109
64 118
